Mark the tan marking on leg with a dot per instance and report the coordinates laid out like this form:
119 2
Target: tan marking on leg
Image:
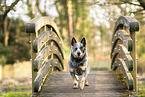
72 70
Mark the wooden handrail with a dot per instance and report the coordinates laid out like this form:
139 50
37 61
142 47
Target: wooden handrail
46 50
123 52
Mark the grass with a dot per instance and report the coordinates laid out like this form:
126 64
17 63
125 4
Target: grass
16 91
19 87
16 94
141 90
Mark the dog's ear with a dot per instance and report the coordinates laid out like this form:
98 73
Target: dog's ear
73 41
83 41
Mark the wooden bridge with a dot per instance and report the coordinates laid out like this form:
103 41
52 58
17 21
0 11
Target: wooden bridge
47 58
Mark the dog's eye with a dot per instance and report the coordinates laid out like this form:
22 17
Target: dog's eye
81 48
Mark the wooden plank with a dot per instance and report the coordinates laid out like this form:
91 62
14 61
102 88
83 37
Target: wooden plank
45 37
43 72
124 69
40 78
128 23
40 41
57 54
37 23
56 64
101 84
124 37
123 53
44 54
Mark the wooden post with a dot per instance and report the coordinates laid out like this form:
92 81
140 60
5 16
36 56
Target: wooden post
33 55
51 46
133 54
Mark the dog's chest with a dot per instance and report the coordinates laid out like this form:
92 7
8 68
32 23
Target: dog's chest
77 63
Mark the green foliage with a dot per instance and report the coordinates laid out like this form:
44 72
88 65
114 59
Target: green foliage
16 91
141 65
66 49
17 94
18 46
102 65
3 60
141 90
19 87
16 52
141 46
140 52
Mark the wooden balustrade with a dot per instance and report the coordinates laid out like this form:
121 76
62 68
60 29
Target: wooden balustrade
123 51
46 50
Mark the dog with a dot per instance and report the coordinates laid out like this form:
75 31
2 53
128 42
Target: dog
78 63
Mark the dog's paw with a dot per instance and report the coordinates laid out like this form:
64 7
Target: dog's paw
87 83
75 85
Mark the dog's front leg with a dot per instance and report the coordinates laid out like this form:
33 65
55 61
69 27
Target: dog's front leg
84 77
84 81
75 78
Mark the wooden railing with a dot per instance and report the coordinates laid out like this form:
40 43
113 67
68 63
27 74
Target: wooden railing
123 52
46 50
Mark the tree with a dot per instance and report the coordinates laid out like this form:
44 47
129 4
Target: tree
43 13
70 21
4 10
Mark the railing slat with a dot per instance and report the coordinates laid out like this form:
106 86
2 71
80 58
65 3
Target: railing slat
124 54
44 38
56 64
44 54
41 75
43 72
128 23
127 75
124 37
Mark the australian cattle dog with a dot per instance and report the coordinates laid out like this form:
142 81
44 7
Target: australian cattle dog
78 63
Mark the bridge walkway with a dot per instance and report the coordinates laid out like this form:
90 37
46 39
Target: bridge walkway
101 84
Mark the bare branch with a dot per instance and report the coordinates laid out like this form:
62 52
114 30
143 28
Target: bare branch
10 8
140 10
142 3
126 1
37 5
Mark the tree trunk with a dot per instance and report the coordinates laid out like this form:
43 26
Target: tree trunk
60 17
69 13
76 18
6 38
7 30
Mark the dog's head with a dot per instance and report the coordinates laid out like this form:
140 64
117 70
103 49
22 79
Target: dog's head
78 49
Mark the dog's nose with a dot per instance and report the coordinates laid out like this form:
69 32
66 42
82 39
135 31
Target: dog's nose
78 53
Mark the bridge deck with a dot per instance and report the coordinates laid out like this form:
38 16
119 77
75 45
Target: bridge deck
102 83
